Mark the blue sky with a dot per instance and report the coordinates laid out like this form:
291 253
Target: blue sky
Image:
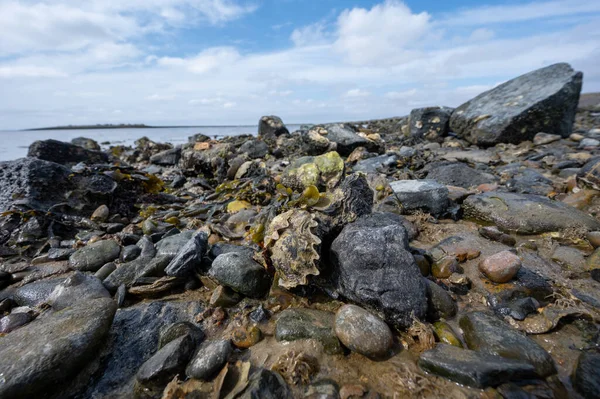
231 61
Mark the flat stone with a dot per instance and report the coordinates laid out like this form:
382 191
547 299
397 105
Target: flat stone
440 303
101 214
170 246
425 195
77 288
167 362
39 357
458 174
525 213
472 368
64 153
209 359
545 138
486 333
13 321
189 257
93 256
501 267
363 332
294 324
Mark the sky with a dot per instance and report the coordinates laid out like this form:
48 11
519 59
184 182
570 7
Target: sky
228 62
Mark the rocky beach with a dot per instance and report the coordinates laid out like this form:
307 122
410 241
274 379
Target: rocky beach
450 253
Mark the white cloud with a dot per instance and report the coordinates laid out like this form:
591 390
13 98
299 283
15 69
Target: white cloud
204 62
29 72
309 35
357 93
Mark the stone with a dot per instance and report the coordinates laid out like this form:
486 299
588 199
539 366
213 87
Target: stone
43 355
586 378
60 253
64 153
371 266
492 233
594 238
458 174
444 267
170 246
271 127
486 333
13 321
324 172
374 164
93 256
346 138
242 274
363 332
544 100
75 289
545 138
424 195
472 368
529 181
101 214
35 293
445 334
265 384
301 323
224 297
189 256
86 143
589 174
167 158
570 258
209 359
440 303
254 149
130 253
501 267
173 331
167 362
244 337
431 123
589 143
525 213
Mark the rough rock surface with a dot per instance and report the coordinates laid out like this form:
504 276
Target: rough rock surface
64 153
544 100
425 195
431 123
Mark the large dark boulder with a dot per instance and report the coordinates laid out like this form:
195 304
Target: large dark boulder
431 123
373 267
167 158
346 138
544 100
64 153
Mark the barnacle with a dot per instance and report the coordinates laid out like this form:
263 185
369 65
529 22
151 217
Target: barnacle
293 246
296 368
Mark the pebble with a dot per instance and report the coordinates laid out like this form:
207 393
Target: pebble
363 332
444 267
594 238
425 195
93 256
13 321
501 267
209 360
100 214
545 138
242 274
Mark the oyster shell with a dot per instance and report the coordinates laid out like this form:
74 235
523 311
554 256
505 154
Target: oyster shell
294 247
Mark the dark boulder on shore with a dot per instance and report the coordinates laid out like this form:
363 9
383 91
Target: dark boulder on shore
64 153
544 100
431 123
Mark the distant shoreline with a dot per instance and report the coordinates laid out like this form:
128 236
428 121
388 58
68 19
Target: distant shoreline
137 126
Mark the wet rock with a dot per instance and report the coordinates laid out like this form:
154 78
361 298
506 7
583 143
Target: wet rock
431 123
325 389
372 267
586 378
444 267
130 253
526 214
544 100
445 334
259 315
242 274
86 143
271 127
265 384
35 293
166 363
189 256
209 359
224 297
167 158
93 256
254 149
501 267
440 303
458 174
492 233
170 246
132 340
545 138
589 174
363 332
101 214
13 321
425 195
571 259
76 288
64 153
346 138
375 164
294 324
60 253
529 181
486 333
33 182
173 331
244 337
473 368
324 172
40 357
589 143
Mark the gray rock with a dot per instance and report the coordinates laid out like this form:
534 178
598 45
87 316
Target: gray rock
372 165
440 303
589 143
254 149
242 274
425 195
179 329
431 123
472 368
526 214
86 143
64 153
13 321
529 181
127 273
371 266
132 340
170 246
166 158
265 384
301 323
346 139
189 257
60 253
209 359
486 333
586 378
363 332
544 100
77 288
130 253
93 256
35 293
38 358
545 138
271 126
458 174
167 362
